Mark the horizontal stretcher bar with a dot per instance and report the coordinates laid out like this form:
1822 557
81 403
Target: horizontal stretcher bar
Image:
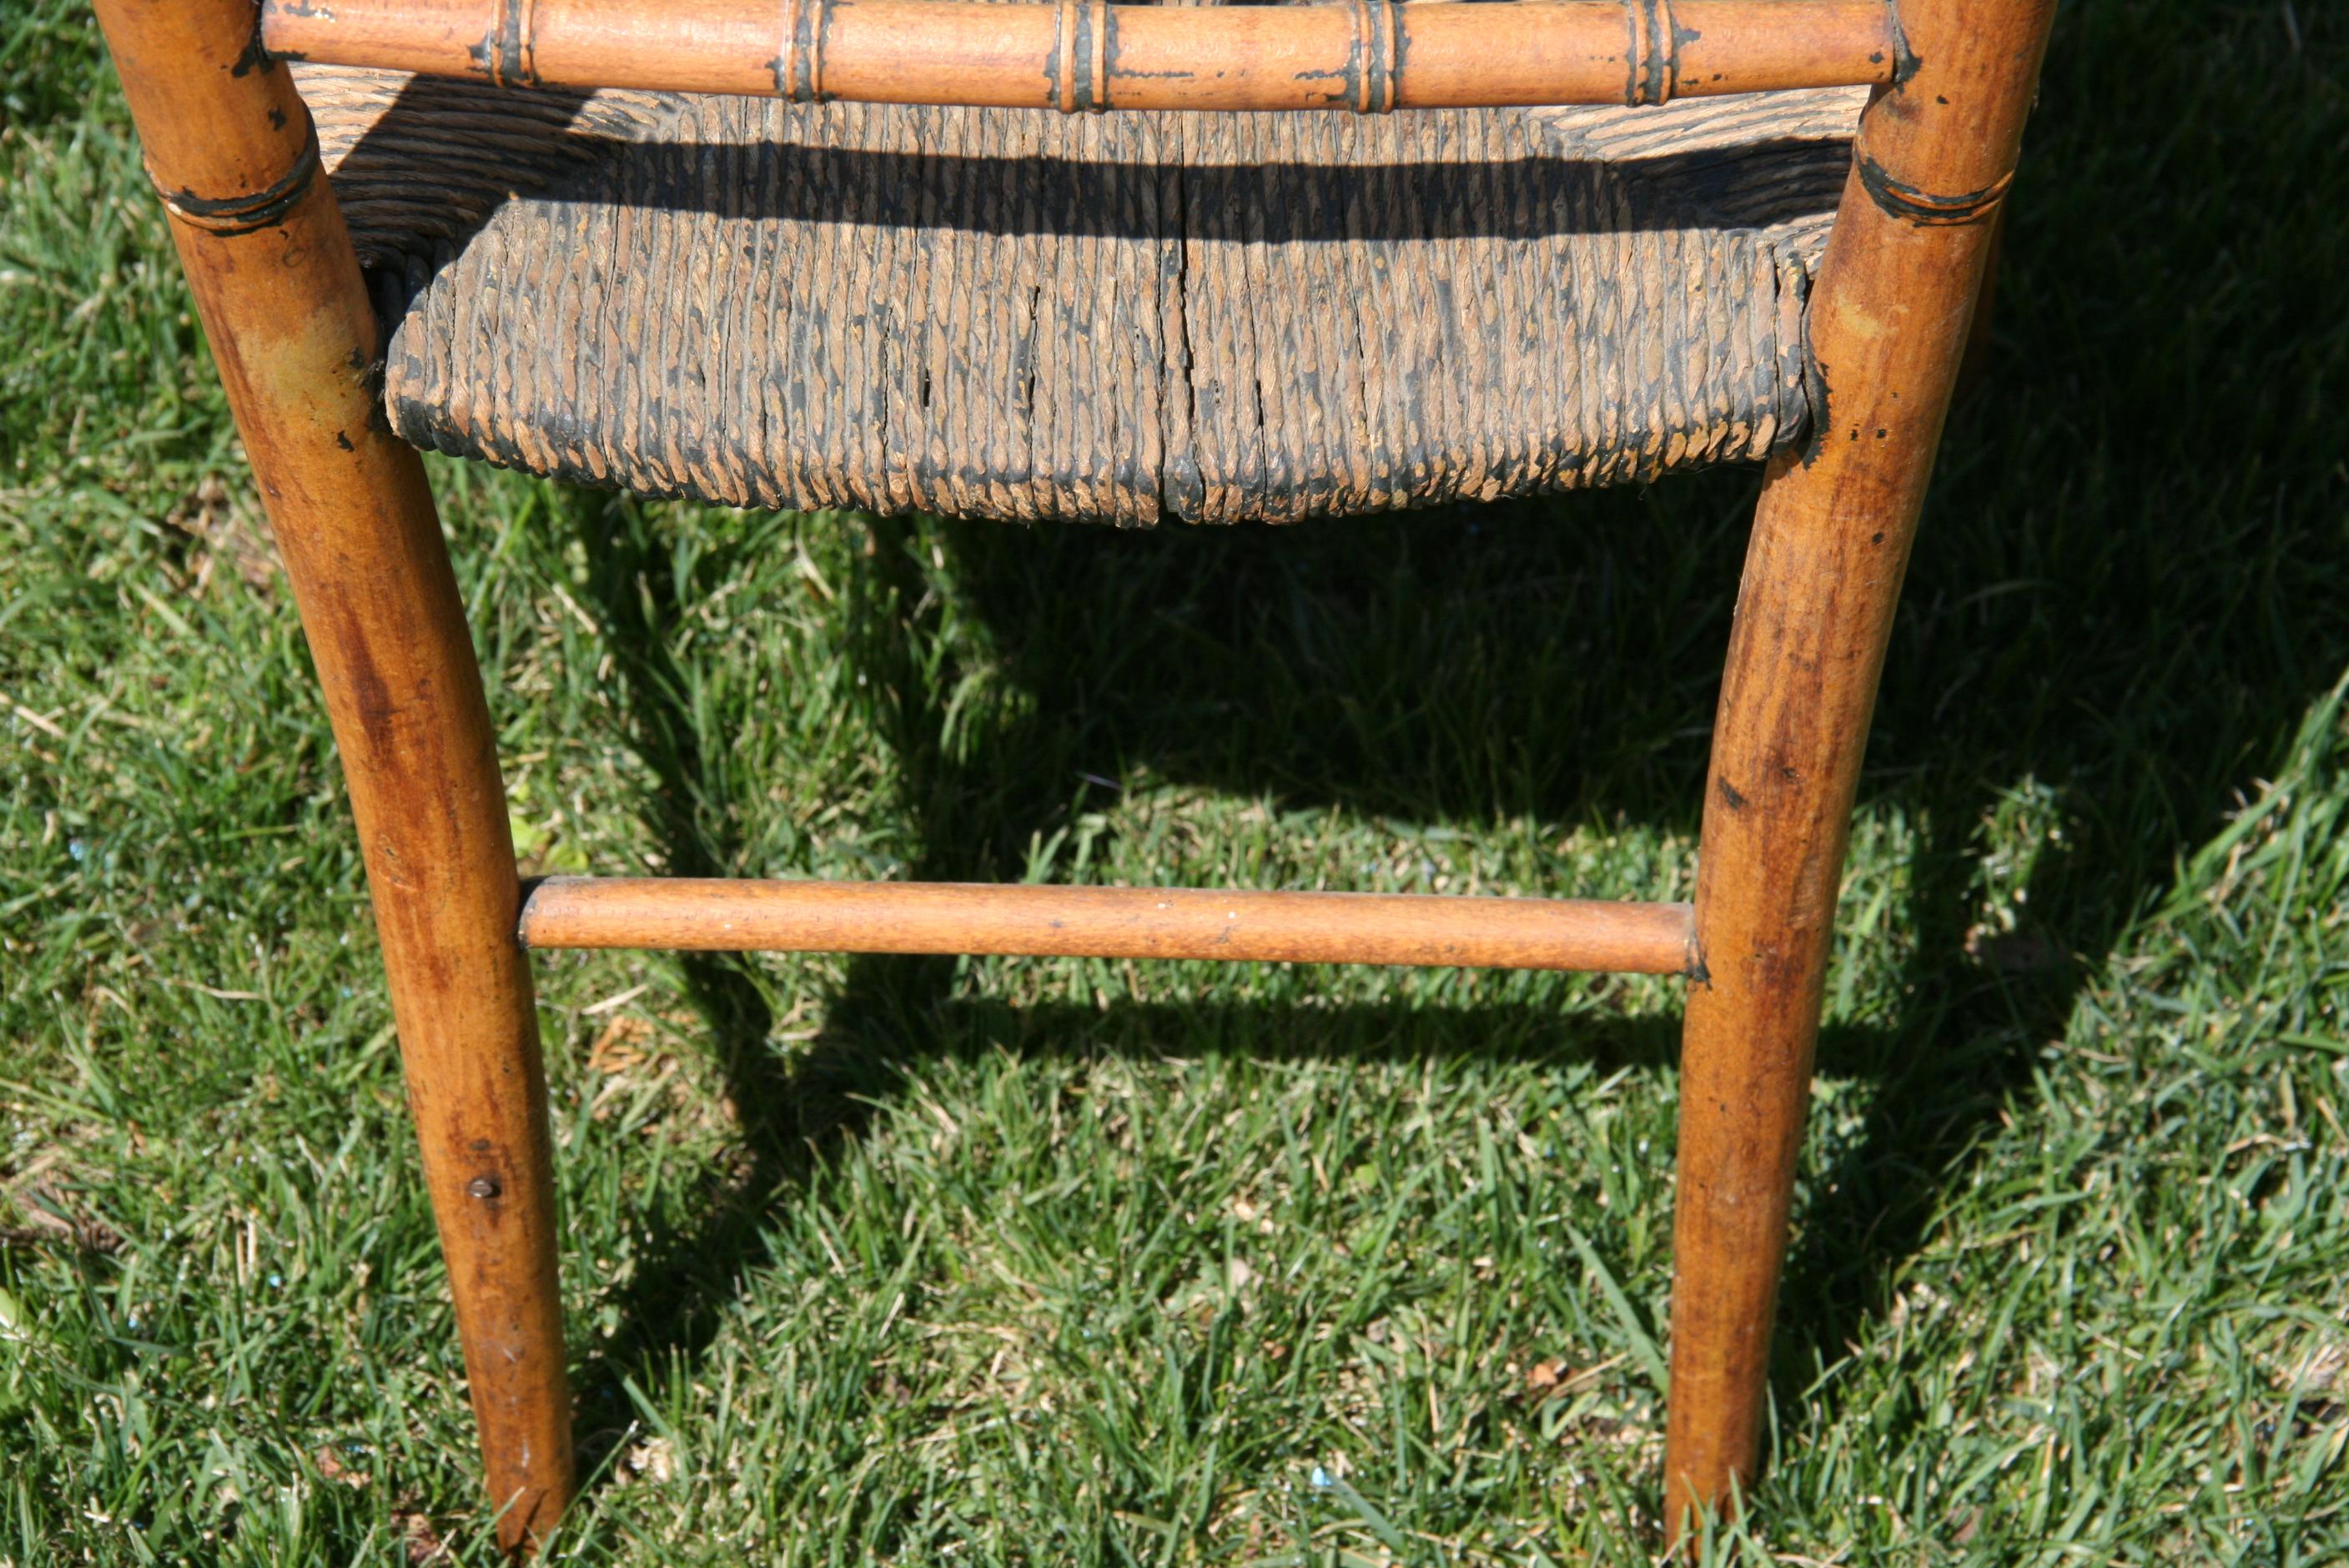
1370 55
711 916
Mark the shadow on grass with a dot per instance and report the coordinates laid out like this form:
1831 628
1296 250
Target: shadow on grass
2118 608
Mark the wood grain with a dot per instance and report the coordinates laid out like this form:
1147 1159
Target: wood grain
1368 56
276 278
278 286
1887 327
707 916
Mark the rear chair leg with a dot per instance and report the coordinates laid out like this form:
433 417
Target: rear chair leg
1887 327
229 144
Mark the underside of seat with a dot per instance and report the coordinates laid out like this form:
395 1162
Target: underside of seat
1012 313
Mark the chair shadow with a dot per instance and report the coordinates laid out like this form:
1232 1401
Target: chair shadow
1975 1017
2092 647
979 817
403 175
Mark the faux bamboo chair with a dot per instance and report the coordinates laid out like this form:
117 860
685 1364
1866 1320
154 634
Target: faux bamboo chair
871 273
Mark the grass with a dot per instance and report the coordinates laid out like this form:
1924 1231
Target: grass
1079 1262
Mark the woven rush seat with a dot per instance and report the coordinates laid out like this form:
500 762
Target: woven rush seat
1217 317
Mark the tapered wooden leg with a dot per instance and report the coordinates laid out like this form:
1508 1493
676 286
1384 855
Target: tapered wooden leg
229 145
1887 327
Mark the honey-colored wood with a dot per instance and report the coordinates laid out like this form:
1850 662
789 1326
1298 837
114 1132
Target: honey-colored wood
1368 56
273 273
709 916
229 144
1887 326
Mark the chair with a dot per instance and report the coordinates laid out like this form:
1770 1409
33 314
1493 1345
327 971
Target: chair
838 253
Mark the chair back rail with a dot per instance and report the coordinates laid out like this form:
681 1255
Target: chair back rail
1368 56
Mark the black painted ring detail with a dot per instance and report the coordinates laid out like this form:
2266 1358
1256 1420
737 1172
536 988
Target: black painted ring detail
1904 60
1661 77
527 47
799 63
232 215
1371 69
1652 55
1083 93
507 53
1911 205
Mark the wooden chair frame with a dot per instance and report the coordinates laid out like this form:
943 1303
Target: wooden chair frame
229 147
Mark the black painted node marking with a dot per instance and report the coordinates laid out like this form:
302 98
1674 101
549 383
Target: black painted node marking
799 61
1911 205
232 215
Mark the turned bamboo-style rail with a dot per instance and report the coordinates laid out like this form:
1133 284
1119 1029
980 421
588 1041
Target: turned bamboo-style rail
709 915
1369 56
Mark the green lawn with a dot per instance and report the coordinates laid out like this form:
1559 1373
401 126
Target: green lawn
1073 1261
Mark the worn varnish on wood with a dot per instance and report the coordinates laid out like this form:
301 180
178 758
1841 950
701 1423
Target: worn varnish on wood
991 312
1371 57
997 312
712 916
1823 573
274 279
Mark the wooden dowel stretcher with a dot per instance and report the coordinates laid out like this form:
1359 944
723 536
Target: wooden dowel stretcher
709 916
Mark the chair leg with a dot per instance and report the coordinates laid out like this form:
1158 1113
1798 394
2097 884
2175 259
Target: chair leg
1786 754
387 631
1887 327
228 143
